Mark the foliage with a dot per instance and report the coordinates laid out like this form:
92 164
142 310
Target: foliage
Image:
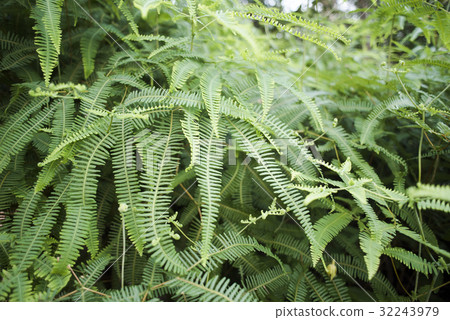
214 151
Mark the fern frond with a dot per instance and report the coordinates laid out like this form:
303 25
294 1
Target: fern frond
126 178
159 95
411 260
89 44
295 33
48 53
378 113
25 109
231 246
30 244
199 288
266 86
19 138
21 287
91 271
209 174
52 19
271 172
326 229
434 204
181 72
155 201
211 86
11 40
81 206
296 20
429 191
291 247
267 281
415 236
310 105
127 294
342 140
373 245
191 130
128 15
24 215
432 62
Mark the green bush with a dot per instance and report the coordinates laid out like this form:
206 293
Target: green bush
213 151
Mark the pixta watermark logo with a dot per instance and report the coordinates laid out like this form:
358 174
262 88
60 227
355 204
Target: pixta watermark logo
148 149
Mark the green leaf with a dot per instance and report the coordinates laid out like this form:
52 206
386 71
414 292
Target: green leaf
211 86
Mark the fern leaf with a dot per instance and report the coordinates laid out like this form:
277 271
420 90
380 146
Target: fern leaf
209 174
52 19
374 243
411 260
211 86
326 229
29 245
373 250
271 172
199 288
127 294
81 205
266 87
155 201
126 179
21 287
128 15
14 142
93 269
48 53
377 114
24 214
89 46
415 236
191 130
181 72
267 281
429 191
311 106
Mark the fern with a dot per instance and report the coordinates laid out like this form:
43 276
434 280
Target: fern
192 155
30 245
51 10
213 290
89 46
266 87
410 259
211 88
209 179
155 201
126 178
47 40
326 229
82 200
181 72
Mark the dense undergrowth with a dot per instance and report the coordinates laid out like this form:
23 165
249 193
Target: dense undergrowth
215 151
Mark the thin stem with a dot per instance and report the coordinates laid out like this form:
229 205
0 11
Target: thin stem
431 287
416 284
122 275
406 91
398 278
440 93
420 150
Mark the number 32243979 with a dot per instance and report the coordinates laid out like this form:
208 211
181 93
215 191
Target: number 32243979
409 311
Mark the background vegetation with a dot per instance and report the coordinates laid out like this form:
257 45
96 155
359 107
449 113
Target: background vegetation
224 151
